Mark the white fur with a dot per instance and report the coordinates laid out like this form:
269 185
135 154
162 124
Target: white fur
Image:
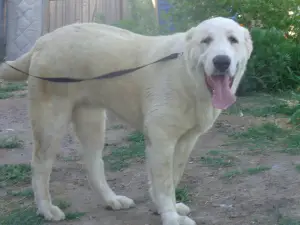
168 101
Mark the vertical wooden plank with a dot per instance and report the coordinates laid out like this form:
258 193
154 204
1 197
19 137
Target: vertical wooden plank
89 10
94 10
61 11
81 10
2 30
46 17
56 14
75 11
52 15
121 5
67 12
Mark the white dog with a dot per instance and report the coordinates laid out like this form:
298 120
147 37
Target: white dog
172 102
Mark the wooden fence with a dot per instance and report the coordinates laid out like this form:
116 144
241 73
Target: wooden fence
62 12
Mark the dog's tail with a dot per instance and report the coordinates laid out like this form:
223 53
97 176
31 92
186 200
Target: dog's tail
16 70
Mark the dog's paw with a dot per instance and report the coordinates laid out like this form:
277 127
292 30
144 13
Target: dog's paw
172 218
120 202
182 209
51 213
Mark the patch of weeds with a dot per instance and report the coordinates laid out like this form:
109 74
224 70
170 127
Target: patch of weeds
136 137
182 195
249 171
28 192
10 87
7 89
27 216
62 204
295 118
119 158
74 215
271 106
270 136
266 131
281 107
215 152
22 95
292 144
117 126
232 174
217 158
5 95
14 173
23 215
71 158
256 170
297 167
11 142
288 221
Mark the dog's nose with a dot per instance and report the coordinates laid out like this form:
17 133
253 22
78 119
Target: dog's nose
221 62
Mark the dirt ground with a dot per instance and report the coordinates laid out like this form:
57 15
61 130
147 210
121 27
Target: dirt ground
268 195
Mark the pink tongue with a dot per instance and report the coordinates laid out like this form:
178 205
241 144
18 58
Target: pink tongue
222 97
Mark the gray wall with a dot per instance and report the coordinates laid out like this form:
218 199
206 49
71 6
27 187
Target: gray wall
24 26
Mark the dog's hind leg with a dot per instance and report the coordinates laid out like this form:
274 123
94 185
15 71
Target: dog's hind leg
49 120
90 129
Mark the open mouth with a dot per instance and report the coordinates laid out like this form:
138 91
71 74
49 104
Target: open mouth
220 87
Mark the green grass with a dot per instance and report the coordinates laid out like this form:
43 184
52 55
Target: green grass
28 192
120 157
27 215
265 105
10 87
248 171
22 215
5 95
10 174
278 108
216 158
136 137
7 89
256 170
288 221
264 132
62 204
269 136
182 195
11 142
117 126
297 167
232 174
74 215
292 144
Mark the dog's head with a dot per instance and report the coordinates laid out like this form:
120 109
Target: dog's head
219 49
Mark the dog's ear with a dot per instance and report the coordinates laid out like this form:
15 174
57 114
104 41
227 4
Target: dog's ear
190 34
248 42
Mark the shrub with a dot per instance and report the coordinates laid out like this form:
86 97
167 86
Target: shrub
282 14
143 18
274 64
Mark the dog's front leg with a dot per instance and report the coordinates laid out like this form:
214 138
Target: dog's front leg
160 153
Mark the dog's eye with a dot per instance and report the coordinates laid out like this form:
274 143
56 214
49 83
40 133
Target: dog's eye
233 40
207 40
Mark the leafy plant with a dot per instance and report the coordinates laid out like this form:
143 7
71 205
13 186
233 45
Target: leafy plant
143 18
274 64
